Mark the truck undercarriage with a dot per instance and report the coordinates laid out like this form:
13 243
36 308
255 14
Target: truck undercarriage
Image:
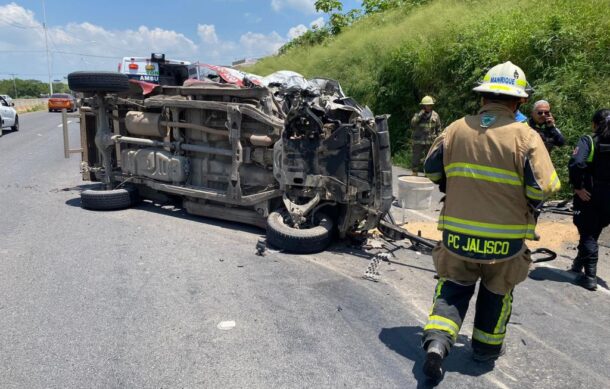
303 162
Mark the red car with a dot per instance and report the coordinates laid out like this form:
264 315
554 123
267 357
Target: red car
59 101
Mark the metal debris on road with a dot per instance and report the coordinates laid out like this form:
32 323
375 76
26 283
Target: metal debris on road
261 246
371 273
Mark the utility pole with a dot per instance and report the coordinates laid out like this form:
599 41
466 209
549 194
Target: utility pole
14 84
46 44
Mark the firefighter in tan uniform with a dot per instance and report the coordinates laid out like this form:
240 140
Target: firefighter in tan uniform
425 127
495 172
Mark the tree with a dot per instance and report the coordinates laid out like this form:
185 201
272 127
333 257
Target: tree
328 6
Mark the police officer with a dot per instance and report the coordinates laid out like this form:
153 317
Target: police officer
493 170
589 170
425 127
543 122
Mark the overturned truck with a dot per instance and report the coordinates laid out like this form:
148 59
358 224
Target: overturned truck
297 158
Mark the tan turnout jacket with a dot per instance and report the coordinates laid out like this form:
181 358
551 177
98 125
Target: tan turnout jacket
494 171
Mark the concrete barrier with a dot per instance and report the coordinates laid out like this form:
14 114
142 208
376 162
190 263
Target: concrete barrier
23 105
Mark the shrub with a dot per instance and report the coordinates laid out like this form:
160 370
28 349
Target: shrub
389 60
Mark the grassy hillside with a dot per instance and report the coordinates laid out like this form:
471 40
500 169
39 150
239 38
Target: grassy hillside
390 60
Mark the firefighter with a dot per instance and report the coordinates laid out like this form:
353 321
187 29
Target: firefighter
494 172
425 127
589 170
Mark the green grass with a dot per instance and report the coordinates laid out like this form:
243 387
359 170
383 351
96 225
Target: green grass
390 60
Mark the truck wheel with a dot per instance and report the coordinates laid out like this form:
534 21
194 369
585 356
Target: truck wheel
106 82
15 126
300 241
109 200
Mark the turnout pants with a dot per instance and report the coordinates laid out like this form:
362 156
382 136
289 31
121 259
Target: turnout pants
418 154
493 305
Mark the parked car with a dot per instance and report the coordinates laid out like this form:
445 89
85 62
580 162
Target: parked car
59 101
294 156
8 99
8 116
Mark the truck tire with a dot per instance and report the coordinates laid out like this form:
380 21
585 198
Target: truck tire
109 200
299 241
105 82
15 126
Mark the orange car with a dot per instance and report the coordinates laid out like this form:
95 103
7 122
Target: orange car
59 101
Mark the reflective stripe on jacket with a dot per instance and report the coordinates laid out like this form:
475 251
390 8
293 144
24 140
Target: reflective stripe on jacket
494 171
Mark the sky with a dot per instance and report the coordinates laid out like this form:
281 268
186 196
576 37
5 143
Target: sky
96 34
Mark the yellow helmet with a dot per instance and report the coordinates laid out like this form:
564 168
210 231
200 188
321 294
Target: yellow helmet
504 79
427 100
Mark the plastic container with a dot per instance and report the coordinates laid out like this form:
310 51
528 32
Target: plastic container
415 192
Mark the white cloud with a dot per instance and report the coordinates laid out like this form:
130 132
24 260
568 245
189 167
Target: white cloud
207 33
87 46
257 44
305 6
318 23
297 31
79 46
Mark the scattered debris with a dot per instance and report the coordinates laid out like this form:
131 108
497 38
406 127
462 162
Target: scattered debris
261 246
562 207
385 256
226 325
372 243
371 273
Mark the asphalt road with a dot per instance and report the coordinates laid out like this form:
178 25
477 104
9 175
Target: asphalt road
134 299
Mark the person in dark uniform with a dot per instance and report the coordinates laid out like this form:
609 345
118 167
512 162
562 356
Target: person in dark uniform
589 170
543 122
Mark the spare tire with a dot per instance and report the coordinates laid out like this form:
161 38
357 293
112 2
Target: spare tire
106 82
295 240
109 200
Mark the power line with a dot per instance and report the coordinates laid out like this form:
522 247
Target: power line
86 55
62 52
22 51
30 74
18 25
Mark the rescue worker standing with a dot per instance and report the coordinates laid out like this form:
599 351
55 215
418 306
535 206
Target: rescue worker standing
425 127
493 170
590 177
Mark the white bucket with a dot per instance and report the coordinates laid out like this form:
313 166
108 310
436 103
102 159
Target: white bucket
415 192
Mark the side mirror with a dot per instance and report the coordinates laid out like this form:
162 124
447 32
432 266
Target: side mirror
12 104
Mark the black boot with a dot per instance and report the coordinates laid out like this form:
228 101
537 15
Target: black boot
589 279
483 355
577 264
433 366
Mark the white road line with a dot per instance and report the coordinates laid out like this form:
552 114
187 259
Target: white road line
69 121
